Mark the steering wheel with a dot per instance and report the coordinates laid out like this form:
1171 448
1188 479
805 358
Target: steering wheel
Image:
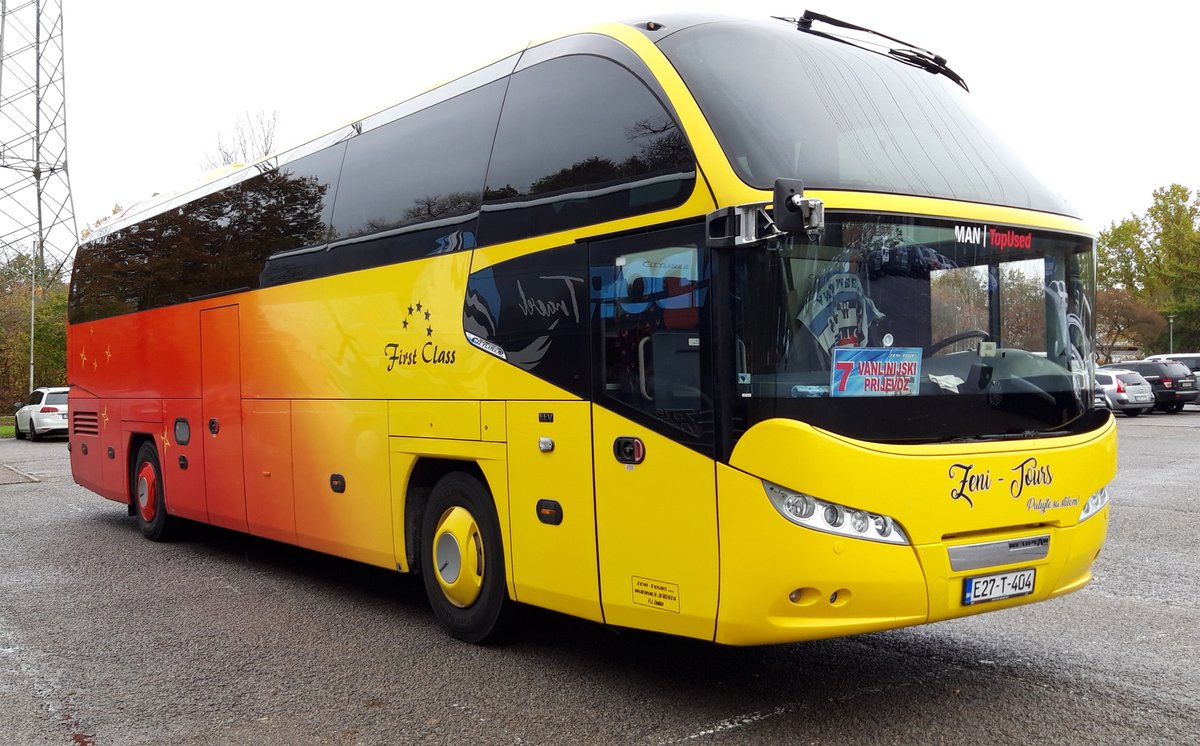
947 341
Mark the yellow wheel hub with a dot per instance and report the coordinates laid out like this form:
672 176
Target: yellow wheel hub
458 556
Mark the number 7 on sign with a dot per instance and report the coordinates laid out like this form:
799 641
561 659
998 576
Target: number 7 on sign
844 369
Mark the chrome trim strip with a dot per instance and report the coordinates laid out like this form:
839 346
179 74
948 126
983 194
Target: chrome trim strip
996 553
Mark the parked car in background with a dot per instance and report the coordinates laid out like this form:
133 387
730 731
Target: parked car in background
1099 400
1189 359
45 413
1173 384
1125 391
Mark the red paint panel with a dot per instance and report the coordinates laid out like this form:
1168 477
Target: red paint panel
221 430
270 502
161 347
183 487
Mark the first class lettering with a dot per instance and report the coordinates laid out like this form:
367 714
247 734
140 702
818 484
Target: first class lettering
428 353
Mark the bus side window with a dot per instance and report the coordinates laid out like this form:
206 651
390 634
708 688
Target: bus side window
649 300
581 140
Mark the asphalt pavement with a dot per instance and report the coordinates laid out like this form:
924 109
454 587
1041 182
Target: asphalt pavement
221 638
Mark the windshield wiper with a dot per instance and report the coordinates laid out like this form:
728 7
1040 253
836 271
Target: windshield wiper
909 54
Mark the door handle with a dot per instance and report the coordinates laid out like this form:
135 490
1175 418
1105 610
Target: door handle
214 427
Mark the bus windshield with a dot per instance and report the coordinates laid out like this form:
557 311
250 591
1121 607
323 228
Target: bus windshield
909 330
786 104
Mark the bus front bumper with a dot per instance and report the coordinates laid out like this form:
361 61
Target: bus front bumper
785 583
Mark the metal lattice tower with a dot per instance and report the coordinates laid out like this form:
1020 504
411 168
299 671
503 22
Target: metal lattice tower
37 218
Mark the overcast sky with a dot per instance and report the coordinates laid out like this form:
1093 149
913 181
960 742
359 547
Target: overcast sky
1099 96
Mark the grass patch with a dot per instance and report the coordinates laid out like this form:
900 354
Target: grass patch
6 431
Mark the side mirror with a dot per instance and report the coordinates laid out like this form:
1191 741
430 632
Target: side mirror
795 213
17 405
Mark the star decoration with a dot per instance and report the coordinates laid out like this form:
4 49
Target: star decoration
104 416
165 441
410 310
404 324
108 354
429 331
83 357
427 316
95 365
418 306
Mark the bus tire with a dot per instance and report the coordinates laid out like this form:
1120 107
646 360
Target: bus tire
147 494
463 559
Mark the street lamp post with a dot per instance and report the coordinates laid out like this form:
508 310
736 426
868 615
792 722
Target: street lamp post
1171 335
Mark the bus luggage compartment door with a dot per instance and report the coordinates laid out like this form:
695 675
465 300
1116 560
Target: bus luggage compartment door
221 429
553 513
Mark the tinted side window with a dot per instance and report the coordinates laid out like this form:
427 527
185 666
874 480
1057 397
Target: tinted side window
534 308
412 187
217 243
1104 380
581 140
59 397
35 397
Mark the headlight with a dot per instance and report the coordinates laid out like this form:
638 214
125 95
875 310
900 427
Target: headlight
822 515
1093 504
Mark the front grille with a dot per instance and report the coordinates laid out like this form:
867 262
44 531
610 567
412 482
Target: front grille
85 423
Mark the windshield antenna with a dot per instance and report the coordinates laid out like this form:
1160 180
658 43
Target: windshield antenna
909 54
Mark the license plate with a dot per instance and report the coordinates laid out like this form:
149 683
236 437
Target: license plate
995 587
1142 397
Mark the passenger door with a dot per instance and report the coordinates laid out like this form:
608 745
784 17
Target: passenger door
653 437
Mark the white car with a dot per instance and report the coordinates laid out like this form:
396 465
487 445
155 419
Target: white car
44 414
1125 391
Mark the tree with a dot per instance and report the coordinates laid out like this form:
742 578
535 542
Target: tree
1122 319
1123 260
50 323
1174 220
1156 259
253 138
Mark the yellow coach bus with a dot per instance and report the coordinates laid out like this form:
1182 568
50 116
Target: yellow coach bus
732 329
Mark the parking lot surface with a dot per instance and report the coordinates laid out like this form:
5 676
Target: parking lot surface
106 638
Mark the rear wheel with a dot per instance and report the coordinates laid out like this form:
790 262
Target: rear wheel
148 495
1175 408
463 560
1132 412
33 432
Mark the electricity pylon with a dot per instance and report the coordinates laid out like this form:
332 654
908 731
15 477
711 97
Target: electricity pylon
36 213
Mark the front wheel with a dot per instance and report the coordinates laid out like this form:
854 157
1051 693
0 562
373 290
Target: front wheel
463 560
17 429
148 495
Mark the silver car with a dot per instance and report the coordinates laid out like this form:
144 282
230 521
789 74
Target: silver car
1126 391
44 413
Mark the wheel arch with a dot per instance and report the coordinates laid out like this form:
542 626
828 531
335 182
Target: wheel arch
133 444
426 473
